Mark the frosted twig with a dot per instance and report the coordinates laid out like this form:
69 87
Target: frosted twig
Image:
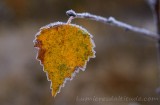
154 4
114 22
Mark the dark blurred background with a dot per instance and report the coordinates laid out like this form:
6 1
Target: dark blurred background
126 63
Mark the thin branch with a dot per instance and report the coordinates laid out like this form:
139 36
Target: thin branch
154 4
157 19
114 22
157 12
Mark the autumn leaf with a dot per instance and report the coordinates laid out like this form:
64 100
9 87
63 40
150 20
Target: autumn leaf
63 49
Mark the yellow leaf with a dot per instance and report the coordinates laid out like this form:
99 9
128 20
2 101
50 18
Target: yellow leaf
63 49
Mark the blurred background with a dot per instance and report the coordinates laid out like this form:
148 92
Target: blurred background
126 63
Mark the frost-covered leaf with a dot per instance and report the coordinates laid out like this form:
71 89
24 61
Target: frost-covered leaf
63 49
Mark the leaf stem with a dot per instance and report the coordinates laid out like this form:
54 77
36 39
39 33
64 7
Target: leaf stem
70 19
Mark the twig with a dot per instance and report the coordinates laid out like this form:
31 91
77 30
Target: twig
114 22
157 19
157 11
154 4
